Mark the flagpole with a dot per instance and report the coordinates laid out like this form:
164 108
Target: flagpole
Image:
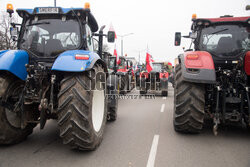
122 46
139 57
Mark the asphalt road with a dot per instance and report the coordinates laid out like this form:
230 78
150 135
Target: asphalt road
143 136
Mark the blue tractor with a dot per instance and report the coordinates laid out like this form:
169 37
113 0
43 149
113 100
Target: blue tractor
56 74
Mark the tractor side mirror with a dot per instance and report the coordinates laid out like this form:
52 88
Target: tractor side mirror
111 36
14 33
193 35
177 41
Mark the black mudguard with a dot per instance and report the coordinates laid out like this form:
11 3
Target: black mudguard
206 76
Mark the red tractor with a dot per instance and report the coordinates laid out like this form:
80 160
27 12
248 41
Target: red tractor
126 74
155 80
124 70
213 79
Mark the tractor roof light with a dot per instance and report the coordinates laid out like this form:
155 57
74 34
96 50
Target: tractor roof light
10 9
10 6
192 57
87 5
194 16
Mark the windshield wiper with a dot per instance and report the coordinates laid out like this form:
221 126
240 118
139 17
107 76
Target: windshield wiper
212 34
38 23
216 32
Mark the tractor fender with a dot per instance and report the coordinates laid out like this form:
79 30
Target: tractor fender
14 61
66 61
198 67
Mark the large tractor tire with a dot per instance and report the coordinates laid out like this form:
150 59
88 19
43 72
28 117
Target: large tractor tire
10 123
189 102
124 84
113 92
82 111
112 112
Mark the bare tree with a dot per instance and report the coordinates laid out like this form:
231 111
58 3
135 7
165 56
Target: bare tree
105 48
5 39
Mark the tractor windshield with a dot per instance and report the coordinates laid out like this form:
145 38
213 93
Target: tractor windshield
225 40
157 67
121 63
49 37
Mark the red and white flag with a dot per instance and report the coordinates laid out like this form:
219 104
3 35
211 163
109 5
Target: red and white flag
115 54
149 60
111 28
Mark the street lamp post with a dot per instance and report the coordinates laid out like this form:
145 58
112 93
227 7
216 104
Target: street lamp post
122 36
55 3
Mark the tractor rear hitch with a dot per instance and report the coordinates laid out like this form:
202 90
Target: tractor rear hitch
43 107
51 104
216 123
217 115
248 102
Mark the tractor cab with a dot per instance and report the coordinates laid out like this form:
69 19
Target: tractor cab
226 38
48 31
112 62
109 59
121 63
130 65
157 67
159 71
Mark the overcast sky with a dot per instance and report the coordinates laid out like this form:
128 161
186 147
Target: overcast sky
152 22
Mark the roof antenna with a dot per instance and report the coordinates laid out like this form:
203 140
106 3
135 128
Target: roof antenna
55 3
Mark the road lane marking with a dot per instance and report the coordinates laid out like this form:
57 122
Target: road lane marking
153 151
162 107
164 98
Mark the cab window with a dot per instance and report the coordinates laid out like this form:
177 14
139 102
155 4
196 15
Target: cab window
89 39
